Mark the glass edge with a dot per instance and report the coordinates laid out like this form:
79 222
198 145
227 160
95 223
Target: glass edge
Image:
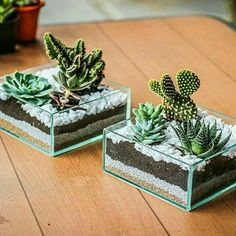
51 65
109 129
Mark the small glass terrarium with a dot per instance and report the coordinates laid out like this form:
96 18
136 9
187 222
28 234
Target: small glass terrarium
184 162
57 110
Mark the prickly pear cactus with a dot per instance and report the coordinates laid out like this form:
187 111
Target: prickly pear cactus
178 105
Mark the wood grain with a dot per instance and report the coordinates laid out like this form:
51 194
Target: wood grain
216 41
155 48
70 195
15 211
162 49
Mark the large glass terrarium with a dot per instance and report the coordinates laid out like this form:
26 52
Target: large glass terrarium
182 181
54 131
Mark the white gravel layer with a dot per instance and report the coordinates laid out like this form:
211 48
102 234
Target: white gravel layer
100 104
27 128
94 103
166 152
151 179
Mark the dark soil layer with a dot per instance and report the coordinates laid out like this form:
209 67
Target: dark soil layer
220 172
126 153
12 108
107 118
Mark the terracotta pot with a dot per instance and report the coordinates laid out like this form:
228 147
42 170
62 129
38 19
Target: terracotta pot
8 35
27 27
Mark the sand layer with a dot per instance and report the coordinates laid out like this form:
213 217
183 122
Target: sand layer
126 153
219 173
64 136
144 184
7 126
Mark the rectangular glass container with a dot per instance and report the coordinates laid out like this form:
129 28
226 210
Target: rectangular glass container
49 134
168 178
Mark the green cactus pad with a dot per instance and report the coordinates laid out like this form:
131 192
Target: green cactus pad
155 87
177 104
167 87
188 82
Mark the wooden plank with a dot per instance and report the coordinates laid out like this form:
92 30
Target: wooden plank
155 47
215 218
24 58
70 195
16 217
216 41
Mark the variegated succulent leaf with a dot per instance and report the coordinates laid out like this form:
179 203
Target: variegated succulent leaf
200 139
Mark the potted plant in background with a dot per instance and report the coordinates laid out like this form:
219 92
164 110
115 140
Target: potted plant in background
8 23
176 151
28 11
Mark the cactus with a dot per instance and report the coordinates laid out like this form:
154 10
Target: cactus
200 139
78 70
178 105
6 10
149 125
31 88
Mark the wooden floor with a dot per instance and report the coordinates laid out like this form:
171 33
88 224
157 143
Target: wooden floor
70 195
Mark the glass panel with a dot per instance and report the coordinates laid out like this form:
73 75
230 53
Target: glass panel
23 125
145 168
182 184
57 132
218 172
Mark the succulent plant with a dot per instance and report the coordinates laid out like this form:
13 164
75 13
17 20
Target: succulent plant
21 3
198 138
149 125
6 10
78 70
178 105
29 87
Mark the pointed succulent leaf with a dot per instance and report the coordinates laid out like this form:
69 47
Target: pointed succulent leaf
224 142
209 152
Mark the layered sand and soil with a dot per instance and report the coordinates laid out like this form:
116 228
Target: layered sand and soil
164 171
15 120
52 131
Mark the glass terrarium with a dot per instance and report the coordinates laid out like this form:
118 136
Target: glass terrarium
182 181
54 131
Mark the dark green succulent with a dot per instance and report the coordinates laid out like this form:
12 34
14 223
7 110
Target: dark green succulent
199 138
178 105
6 10
29 87
149 125
78 70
